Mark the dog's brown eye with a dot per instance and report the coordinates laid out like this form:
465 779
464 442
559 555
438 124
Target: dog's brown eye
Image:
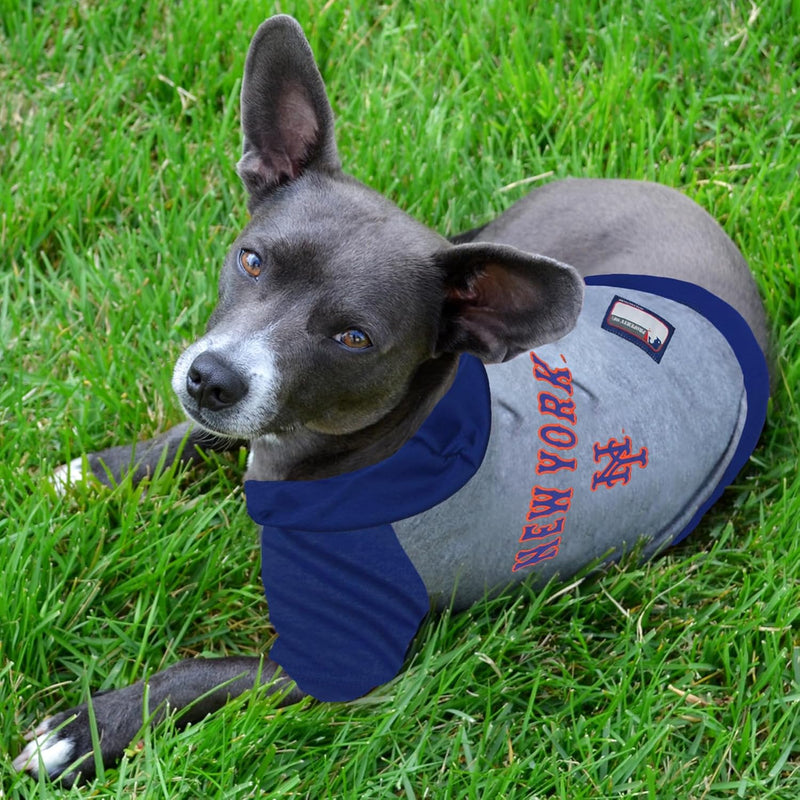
250 262
354 339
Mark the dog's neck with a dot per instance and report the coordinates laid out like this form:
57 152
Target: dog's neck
307 455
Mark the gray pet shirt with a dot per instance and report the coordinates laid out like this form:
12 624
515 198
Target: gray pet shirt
621 434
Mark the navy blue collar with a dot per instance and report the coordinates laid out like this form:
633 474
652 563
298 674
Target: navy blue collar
435 463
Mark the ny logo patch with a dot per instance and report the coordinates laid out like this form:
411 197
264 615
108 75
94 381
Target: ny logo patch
621 460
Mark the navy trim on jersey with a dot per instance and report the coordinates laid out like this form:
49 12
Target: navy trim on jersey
434 464
342 593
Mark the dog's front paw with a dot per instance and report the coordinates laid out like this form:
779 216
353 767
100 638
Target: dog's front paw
71 474
63 747
56 745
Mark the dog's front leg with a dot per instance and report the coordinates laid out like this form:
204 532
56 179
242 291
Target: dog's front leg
191 689
184 444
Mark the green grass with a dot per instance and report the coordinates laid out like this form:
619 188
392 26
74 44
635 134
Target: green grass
118 134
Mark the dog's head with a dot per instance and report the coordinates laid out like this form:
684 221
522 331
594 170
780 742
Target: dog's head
331 300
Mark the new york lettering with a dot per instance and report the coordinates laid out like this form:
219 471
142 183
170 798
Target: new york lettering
542 535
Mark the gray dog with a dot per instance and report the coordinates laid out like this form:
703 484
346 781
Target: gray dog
430 421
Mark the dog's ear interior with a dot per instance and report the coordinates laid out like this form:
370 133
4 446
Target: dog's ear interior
286 117
500 301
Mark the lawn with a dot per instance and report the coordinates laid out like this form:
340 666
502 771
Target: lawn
118 134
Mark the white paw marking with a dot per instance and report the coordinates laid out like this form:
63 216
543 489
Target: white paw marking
67 475
44 750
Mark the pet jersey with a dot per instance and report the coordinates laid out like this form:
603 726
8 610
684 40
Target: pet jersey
621 434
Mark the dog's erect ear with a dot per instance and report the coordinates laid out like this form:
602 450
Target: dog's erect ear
500 301
286 117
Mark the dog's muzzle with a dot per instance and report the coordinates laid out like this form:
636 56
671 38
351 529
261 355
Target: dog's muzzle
213 383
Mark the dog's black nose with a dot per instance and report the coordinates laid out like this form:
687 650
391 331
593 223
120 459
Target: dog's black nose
213 383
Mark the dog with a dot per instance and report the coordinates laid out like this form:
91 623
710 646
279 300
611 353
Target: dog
432 420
